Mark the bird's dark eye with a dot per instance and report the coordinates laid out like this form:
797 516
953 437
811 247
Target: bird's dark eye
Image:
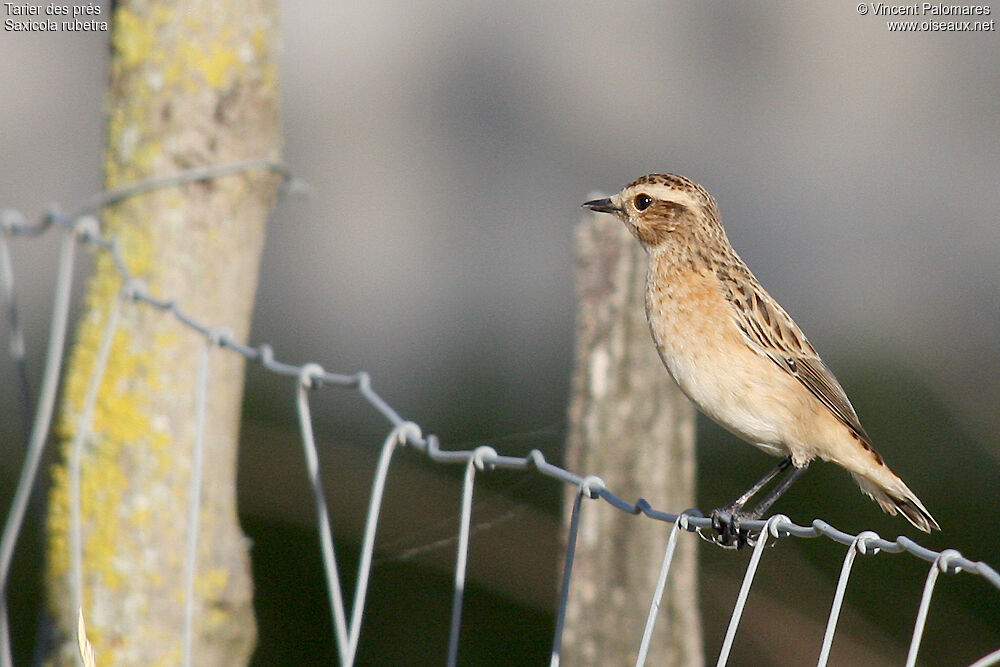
642 201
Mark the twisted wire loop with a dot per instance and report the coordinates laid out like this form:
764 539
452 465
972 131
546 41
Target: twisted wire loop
81 227
858 546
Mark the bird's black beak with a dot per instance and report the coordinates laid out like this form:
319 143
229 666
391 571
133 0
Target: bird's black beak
601 206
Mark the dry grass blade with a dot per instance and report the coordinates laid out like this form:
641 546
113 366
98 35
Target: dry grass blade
86 650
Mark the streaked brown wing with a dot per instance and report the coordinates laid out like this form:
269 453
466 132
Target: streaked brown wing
772 332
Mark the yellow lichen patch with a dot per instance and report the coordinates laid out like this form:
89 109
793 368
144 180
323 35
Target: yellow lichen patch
155 579
260 41
119 412
133 146
144 155
140 54
164 460
57 522
194 65
160 439
103 486
218 65
105 284
128 224
166 338
141 517
133 37
217 617
209 585
119 421
121 418
269 77
172 657
84 356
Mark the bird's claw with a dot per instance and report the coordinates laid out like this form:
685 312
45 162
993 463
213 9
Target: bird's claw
728 531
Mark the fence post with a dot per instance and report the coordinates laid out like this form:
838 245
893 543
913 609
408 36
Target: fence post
629 424
191 85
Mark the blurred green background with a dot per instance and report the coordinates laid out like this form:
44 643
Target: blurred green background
448 146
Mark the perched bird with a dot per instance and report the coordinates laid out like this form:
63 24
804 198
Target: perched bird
739 356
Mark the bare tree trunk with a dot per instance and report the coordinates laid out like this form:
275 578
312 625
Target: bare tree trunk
630 425
192 84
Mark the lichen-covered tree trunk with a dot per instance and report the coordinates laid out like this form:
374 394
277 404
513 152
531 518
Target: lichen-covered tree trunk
192 84
630 425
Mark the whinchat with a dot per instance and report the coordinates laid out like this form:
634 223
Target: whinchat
738 355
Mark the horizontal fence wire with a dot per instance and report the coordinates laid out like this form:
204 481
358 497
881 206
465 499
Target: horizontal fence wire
80 226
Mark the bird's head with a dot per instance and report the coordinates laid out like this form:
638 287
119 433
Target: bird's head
657 207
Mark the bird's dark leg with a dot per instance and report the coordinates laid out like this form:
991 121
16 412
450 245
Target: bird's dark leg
738 504
726 520
777 491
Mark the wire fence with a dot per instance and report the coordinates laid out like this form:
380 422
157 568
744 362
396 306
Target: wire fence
81 227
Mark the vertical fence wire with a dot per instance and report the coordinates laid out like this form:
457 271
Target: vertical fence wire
16 347
588 487
574 529
940 564
194 496
461 559
39 431
84 424
661 582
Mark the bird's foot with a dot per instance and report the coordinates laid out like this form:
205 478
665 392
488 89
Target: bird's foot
728 530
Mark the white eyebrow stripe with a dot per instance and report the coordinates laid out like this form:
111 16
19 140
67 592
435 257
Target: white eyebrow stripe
665 193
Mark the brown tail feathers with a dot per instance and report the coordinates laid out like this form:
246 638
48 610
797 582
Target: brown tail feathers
895 497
